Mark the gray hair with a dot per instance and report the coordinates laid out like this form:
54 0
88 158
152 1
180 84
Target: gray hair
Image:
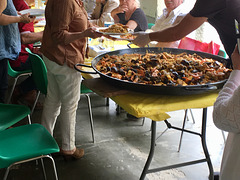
138 3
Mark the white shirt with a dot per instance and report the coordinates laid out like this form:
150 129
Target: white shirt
163 22
99 19
226 116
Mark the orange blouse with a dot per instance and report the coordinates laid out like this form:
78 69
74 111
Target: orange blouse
62 17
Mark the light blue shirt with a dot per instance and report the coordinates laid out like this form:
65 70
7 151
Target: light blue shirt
10 43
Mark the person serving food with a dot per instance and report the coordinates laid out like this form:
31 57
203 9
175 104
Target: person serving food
220 14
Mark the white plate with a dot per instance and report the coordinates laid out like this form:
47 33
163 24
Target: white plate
33 12
108 33
120 38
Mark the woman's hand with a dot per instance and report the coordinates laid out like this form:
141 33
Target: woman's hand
236 59
91 32
122 8
26 18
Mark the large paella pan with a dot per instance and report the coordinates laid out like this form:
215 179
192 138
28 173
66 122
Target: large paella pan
166 81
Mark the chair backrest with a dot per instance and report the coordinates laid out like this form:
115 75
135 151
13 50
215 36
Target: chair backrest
14 74
11 72
195 45
39 72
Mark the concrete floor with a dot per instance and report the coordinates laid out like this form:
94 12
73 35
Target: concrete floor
121 147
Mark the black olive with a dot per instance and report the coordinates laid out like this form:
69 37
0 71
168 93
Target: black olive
109 74
176 75
185 62
114 69
122 72
108 68
153 56
194 71
135 70
154 62
146 78
135 67
147 74
133 61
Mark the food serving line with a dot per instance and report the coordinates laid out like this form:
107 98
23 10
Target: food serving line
156 107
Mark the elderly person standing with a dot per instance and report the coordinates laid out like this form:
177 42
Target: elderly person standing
173 13
63 46
129 13
102 12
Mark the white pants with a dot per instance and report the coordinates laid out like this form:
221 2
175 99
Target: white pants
63 94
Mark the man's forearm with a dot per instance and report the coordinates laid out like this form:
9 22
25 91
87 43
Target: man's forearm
29 38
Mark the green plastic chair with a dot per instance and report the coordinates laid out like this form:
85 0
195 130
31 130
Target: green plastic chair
11 114
16 74
150 25
26 143
39 74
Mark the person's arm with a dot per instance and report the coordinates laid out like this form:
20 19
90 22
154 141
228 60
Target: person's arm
90 32
3 5
120 9
226 110
106 14
31 37
186 26
131 24
6 19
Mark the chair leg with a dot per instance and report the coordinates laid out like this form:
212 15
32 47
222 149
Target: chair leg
43 168
107 101
143 121
118 109
6 173
192 116
224 138
11 92
183 126
29 119
54 166
36 100
90 116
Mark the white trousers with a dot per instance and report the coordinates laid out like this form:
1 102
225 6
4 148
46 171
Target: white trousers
61 102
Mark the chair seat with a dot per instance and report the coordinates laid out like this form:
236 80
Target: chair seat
11 114
85 90
15 74
25 142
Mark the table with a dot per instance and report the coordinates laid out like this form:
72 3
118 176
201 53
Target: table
156 107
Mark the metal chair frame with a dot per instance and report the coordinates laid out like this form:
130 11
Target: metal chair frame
90 114
16 75
32 159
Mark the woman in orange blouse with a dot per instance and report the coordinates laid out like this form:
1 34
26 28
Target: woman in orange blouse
64 45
